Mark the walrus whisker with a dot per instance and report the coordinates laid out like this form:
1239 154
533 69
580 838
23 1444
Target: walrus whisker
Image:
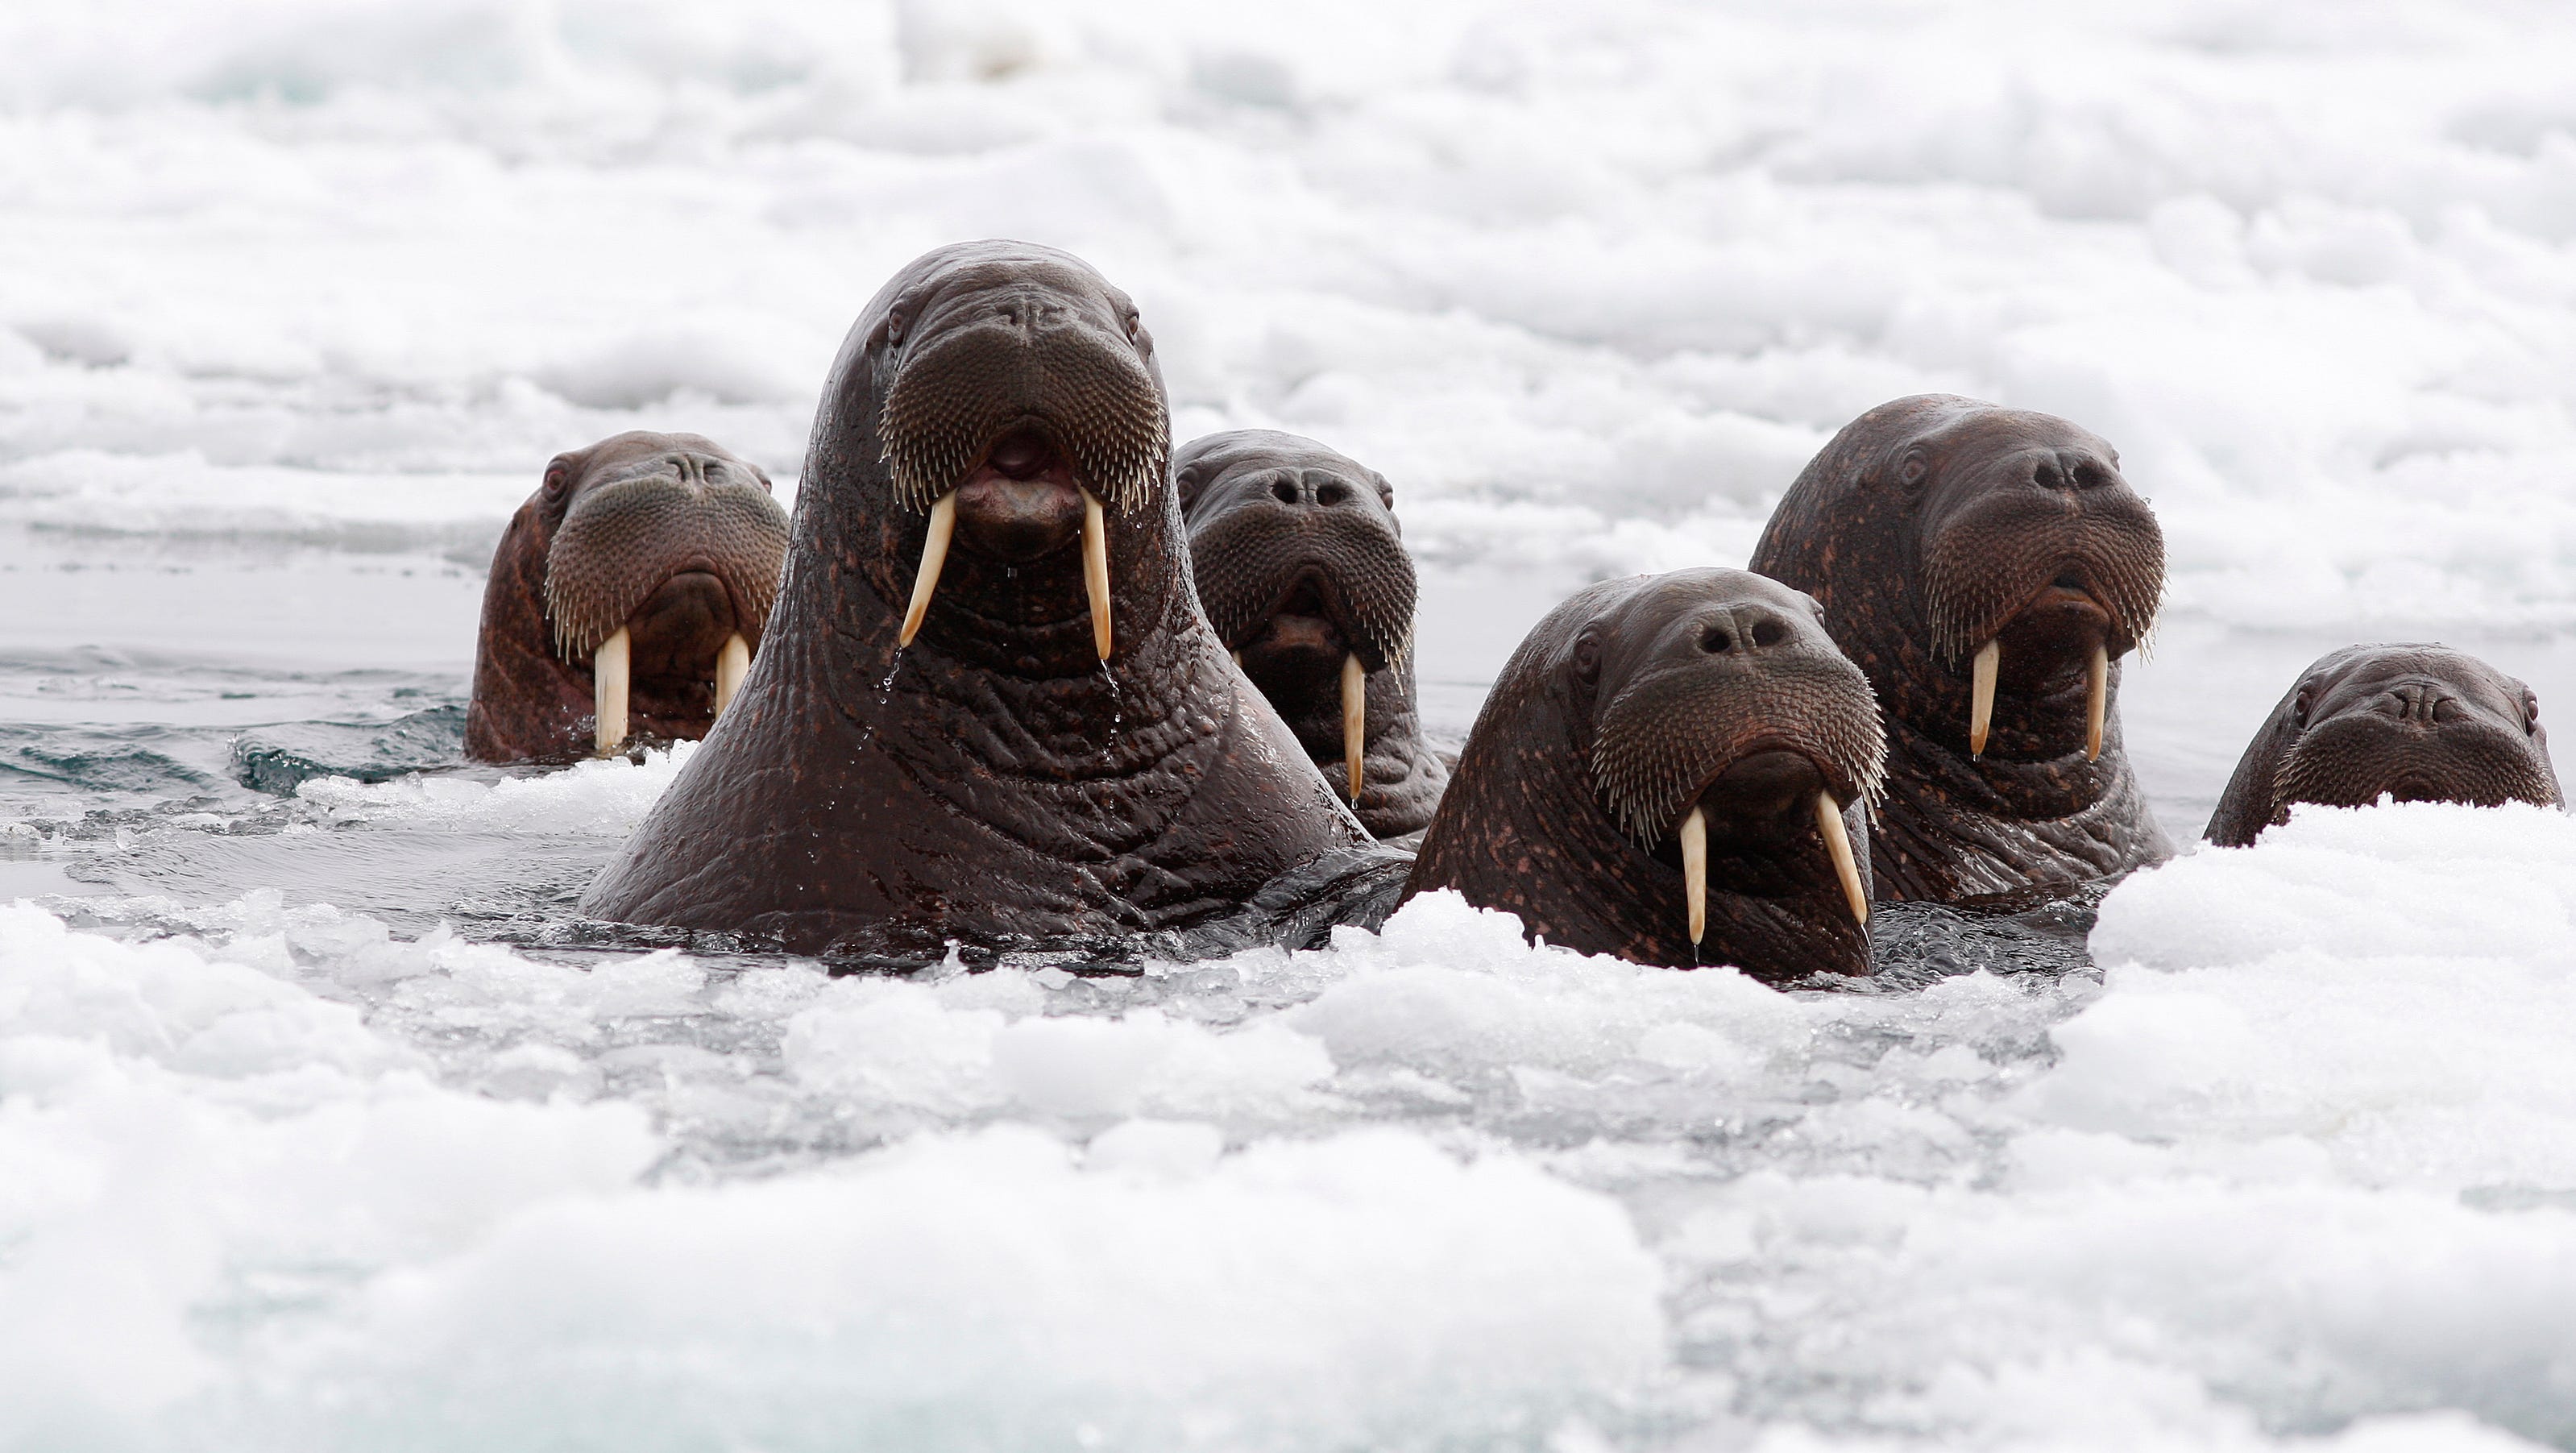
608 677
1694 837
1981 695
934 554
1355 722
1095 568
2097 700
1829 823
732 664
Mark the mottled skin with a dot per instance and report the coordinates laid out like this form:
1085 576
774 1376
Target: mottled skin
665 534
1626 706
2419 723
996 781
1300 563
1931 525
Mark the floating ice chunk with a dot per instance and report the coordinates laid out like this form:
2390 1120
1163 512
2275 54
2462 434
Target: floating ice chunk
604 797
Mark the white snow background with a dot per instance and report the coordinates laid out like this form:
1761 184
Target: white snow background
297 292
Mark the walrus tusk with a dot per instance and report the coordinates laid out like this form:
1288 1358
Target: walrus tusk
1238 660
1694 836
1981 695
1355 722
934 553
608 689
1095 569
1829 821
732 664
2097 701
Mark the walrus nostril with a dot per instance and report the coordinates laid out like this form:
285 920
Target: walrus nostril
1332 492
1716 640
1284 490
1769 633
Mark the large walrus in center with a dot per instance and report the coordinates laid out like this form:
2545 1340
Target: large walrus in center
988 706
1986 568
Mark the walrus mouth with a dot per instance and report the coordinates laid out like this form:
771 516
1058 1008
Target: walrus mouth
1366 611
970 387
2354 760
2066 596
1666 743
622 543
1771 777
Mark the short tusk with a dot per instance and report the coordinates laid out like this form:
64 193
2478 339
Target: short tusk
1829 821
1981 695
732 664
1355 723
1095 569
1694 836
608 677
2097 702
934 554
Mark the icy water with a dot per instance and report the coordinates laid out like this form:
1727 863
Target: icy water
324 1124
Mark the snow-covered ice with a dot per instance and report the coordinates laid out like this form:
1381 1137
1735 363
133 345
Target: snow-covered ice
297 296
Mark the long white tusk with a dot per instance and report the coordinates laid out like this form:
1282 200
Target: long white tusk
934 554
732 664
1355 722
1095 569
1981 695
1829 821
1694 836
608 675
2097 702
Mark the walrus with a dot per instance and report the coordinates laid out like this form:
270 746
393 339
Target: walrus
1302 570
988 708
2419 723
1986 568
627 598
1672 769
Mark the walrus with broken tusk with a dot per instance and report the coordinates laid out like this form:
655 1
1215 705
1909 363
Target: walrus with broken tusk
1675 769
626 600
1986 568
2417 723
989 707
1302 569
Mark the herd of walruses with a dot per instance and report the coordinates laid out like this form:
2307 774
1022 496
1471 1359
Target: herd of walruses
1020 670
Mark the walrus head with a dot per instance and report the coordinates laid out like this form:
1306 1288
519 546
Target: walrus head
990 708
631 589
1302 570
1670 769
1987 568
2418 723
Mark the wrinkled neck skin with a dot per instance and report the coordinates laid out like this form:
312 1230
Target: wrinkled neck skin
1404 779
529 704
993 783
1522 829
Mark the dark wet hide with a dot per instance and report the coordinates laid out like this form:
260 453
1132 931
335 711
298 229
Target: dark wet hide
278 759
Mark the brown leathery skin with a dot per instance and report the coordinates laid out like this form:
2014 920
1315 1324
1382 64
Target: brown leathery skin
1928 526
667 535
1624 708
2419 723
1300 562
995 781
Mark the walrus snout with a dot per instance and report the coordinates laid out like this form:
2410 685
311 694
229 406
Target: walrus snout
1021 503
2415 723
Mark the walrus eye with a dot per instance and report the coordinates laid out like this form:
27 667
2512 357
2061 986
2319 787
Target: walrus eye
558 478
894 329
1587 658
1911 469
2299 709
2530 712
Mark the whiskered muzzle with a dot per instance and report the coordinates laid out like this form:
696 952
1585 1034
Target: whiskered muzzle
620 543
2352 761
968 388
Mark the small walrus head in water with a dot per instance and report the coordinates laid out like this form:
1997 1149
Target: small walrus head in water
1987 568
626 599
989 708
1671 769
1303 573
2416 723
